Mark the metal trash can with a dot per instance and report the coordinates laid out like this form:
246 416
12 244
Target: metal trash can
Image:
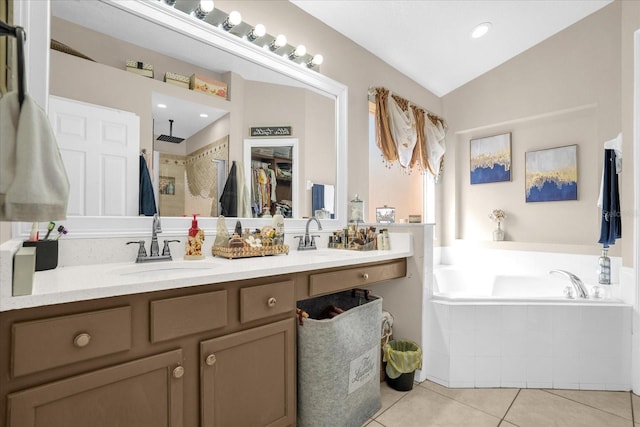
338 359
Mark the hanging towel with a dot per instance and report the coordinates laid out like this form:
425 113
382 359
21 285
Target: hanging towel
33 182
229 197
244 198
329 199
611 225
317 198
146 197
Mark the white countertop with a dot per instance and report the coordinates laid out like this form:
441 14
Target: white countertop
85 282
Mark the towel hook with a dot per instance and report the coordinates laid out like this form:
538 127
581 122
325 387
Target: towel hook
20 35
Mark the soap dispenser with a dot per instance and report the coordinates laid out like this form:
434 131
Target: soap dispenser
193 247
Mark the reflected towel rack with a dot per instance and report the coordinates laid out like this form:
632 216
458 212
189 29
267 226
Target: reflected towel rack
19 34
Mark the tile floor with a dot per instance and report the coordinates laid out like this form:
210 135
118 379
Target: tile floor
430 404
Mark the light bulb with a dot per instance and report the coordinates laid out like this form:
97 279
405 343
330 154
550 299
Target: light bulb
203 9
257 32
280 41
301 50
206 5
260 30
317 60
232 20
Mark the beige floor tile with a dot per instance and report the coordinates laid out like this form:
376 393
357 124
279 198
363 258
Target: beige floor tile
614 402
504 423
422 407
635 400
494 401
374 424
388 396
538 408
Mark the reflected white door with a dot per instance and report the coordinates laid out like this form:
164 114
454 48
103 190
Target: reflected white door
100 150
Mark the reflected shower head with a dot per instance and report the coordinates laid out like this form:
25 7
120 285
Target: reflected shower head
170 137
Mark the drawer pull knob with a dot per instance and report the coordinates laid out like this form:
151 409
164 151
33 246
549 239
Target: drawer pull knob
271 302
178 372
82 340
210 360
365 276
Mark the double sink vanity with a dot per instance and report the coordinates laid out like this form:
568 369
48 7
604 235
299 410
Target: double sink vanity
177 343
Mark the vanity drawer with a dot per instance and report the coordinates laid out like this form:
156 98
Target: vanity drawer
180 316
326 283
258 302
49 343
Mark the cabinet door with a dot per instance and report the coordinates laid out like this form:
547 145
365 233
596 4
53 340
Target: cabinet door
248 378
143 393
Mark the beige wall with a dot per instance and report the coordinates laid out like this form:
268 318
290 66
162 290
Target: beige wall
351 65
564 91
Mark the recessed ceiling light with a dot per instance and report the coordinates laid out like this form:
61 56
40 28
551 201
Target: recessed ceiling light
204 115
480 30
162 106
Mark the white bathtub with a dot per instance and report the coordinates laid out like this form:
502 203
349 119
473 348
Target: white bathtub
487 330
465 285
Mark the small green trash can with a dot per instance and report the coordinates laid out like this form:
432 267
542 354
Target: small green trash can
403 358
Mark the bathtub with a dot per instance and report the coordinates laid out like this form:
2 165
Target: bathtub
493 330
464 285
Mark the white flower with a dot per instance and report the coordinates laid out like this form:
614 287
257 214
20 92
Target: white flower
497 215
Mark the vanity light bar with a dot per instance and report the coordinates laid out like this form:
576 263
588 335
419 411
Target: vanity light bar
233 24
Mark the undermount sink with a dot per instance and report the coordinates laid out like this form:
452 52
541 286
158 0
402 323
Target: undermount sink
164 268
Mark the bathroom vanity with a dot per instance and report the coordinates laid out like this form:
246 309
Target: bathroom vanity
169 344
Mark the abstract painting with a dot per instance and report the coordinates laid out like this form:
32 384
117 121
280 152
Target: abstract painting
491 159
552 174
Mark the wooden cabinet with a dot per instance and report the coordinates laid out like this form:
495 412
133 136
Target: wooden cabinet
144 392
257 365
353 277
218 355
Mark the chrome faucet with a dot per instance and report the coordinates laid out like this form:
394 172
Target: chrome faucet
308 242
155 229
155 247
581 290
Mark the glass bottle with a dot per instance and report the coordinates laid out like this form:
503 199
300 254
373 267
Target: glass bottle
356 210
604 268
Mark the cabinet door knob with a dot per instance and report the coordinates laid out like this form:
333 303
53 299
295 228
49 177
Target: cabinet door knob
210 360
178 372
82 340
271 302
365 276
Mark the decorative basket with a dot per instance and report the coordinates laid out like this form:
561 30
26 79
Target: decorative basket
249 252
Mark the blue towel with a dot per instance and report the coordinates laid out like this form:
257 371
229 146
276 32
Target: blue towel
146 198
611 226
317 198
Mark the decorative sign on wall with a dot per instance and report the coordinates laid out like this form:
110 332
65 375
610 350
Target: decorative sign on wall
271 131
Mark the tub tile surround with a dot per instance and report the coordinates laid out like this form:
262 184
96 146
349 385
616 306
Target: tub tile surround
563 345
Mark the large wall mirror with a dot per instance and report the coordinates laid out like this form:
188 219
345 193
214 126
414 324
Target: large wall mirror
264 90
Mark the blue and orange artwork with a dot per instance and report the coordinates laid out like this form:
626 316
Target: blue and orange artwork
552 174
491 159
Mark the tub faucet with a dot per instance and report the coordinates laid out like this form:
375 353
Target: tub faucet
306 241
581 290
